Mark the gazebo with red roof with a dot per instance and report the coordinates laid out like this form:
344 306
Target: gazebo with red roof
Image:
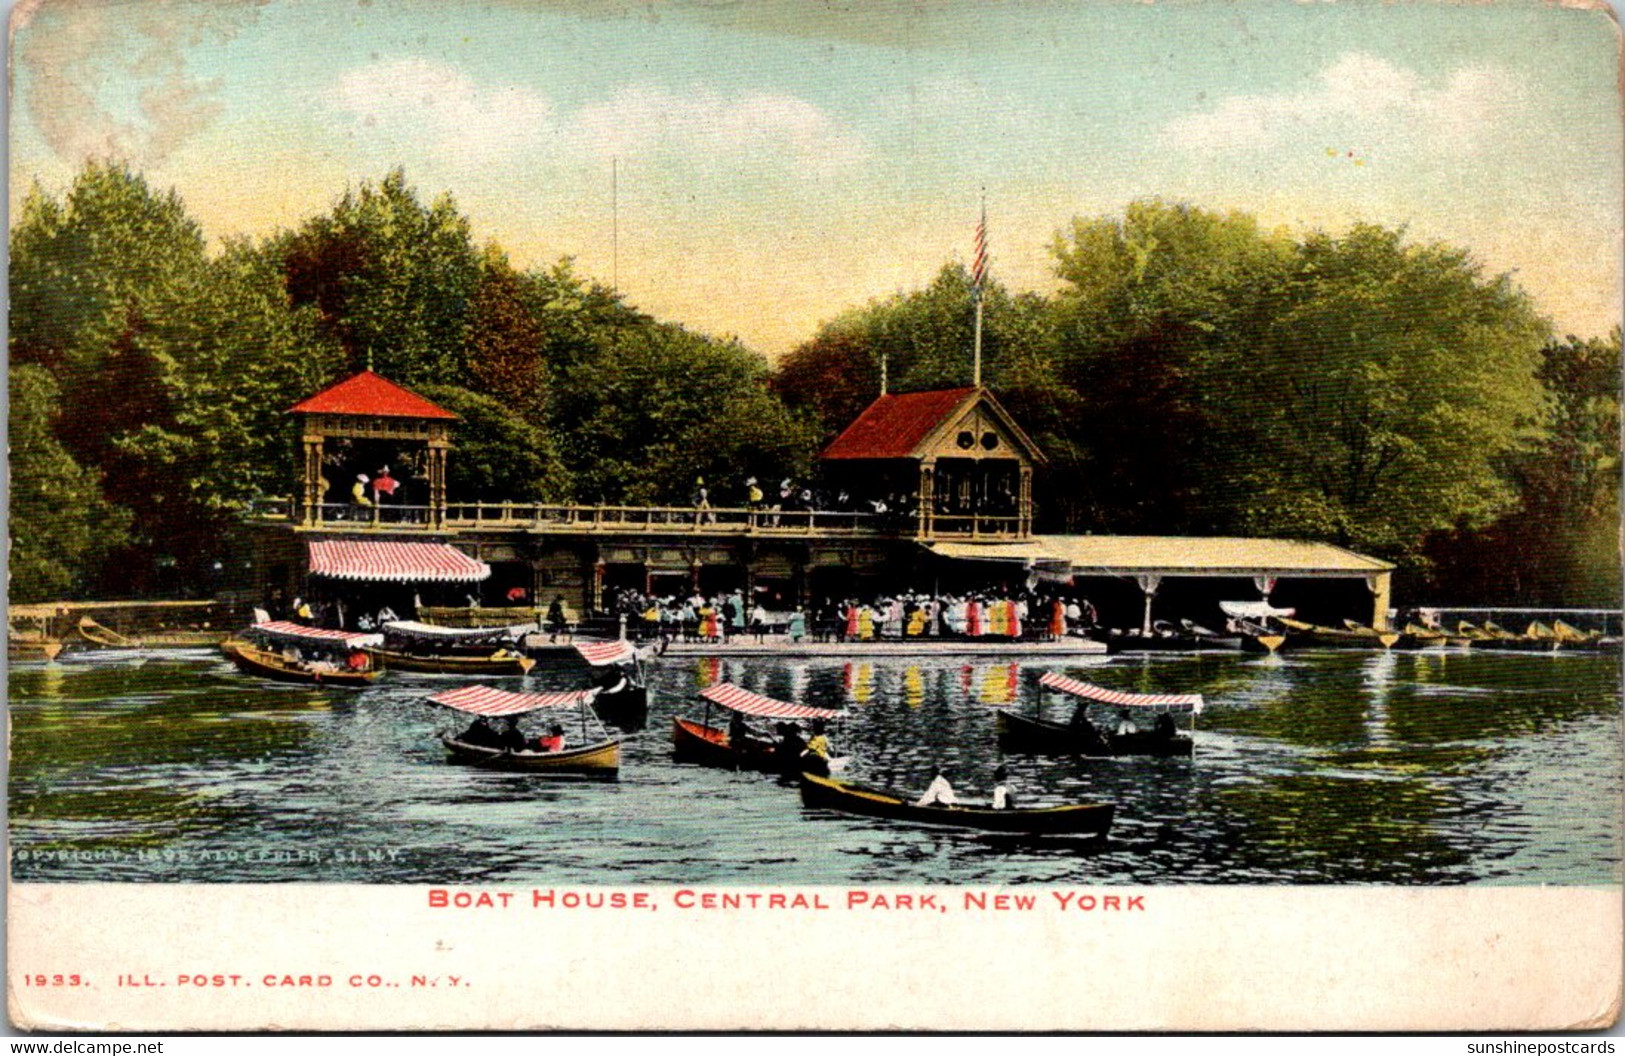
953 459
356 413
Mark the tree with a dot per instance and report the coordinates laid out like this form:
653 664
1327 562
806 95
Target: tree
1149 304
1382 396
61 528
394 281
654 407
505 353
499 454
1560 545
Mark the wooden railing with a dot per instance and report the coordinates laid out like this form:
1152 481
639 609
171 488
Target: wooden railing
569 518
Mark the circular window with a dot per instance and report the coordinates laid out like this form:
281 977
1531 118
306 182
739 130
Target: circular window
967 441
990 441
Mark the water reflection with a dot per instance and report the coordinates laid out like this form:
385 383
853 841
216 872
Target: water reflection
1337 767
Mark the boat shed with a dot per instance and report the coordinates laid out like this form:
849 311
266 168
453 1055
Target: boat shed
1150 560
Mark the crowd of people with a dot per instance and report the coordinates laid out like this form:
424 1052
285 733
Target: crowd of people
728 615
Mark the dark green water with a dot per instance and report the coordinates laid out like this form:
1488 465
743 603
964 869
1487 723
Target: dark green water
1395 768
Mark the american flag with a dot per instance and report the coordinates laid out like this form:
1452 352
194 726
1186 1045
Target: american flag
978 267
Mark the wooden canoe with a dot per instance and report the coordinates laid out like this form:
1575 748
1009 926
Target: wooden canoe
1023 735
1088 819
693 742
601 760
447 664
256 661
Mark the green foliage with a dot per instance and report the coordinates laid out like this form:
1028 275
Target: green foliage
499 454
61 528
653 407
394 281
1383 394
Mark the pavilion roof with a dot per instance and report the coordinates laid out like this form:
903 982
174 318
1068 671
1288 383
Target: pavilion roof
895 424
371 395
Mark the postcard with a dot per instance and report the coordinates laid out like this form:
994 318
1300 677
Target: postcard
1017 516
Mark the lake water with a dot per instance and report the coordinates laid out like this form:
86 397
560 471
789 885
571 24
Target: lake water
1389 768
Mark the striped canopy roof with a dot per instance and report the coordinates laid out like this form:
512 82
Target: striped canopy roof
602 654
743 700
298 631
436 632
377 560
483 700
1118 697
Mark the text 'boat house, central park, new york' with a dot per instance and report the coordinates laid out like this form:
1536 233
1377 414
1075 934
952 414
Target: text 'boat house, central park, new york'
937 493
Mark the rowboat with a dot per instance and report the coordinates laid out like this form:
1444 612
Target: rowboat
599 754
702 745
1350 636
1166 638
291 652
707 745
1494 636
432 649
1251 619
1086 819
1035 735
623 696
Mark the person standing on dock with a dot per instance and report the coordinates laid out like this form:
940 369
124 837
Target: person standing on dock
798 625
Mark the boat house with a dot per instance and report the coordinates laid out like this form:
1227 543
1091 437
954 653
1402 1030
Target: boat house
935 493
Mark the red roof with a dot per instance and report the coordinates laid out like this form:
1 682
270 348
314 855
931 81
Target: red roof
894 425
368 393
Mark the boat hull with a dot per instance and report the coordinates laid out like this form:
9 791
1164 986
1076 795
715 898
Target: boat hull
601 760
702 745
253 661
1091 819
1021 735
390 660
628 711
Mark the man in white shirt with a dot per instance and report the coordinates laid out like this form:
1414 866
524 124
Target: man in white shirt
1002 800
938 793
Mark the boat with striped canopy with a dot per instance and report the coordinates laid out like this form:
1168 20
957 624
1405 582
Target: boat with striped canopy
291 652
432 649
623 694
599 754
706 745
1083 819
1035 735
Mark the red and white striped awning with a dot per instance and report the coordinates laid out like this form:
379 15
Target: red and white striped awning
736 699
602 654
1117 696
483 700
378 560
298 631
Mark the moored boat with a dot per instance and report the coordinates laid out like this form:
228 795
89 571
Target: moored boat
294 653
1035 735
622 699
432 649
1085 819
1251 619
599 754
